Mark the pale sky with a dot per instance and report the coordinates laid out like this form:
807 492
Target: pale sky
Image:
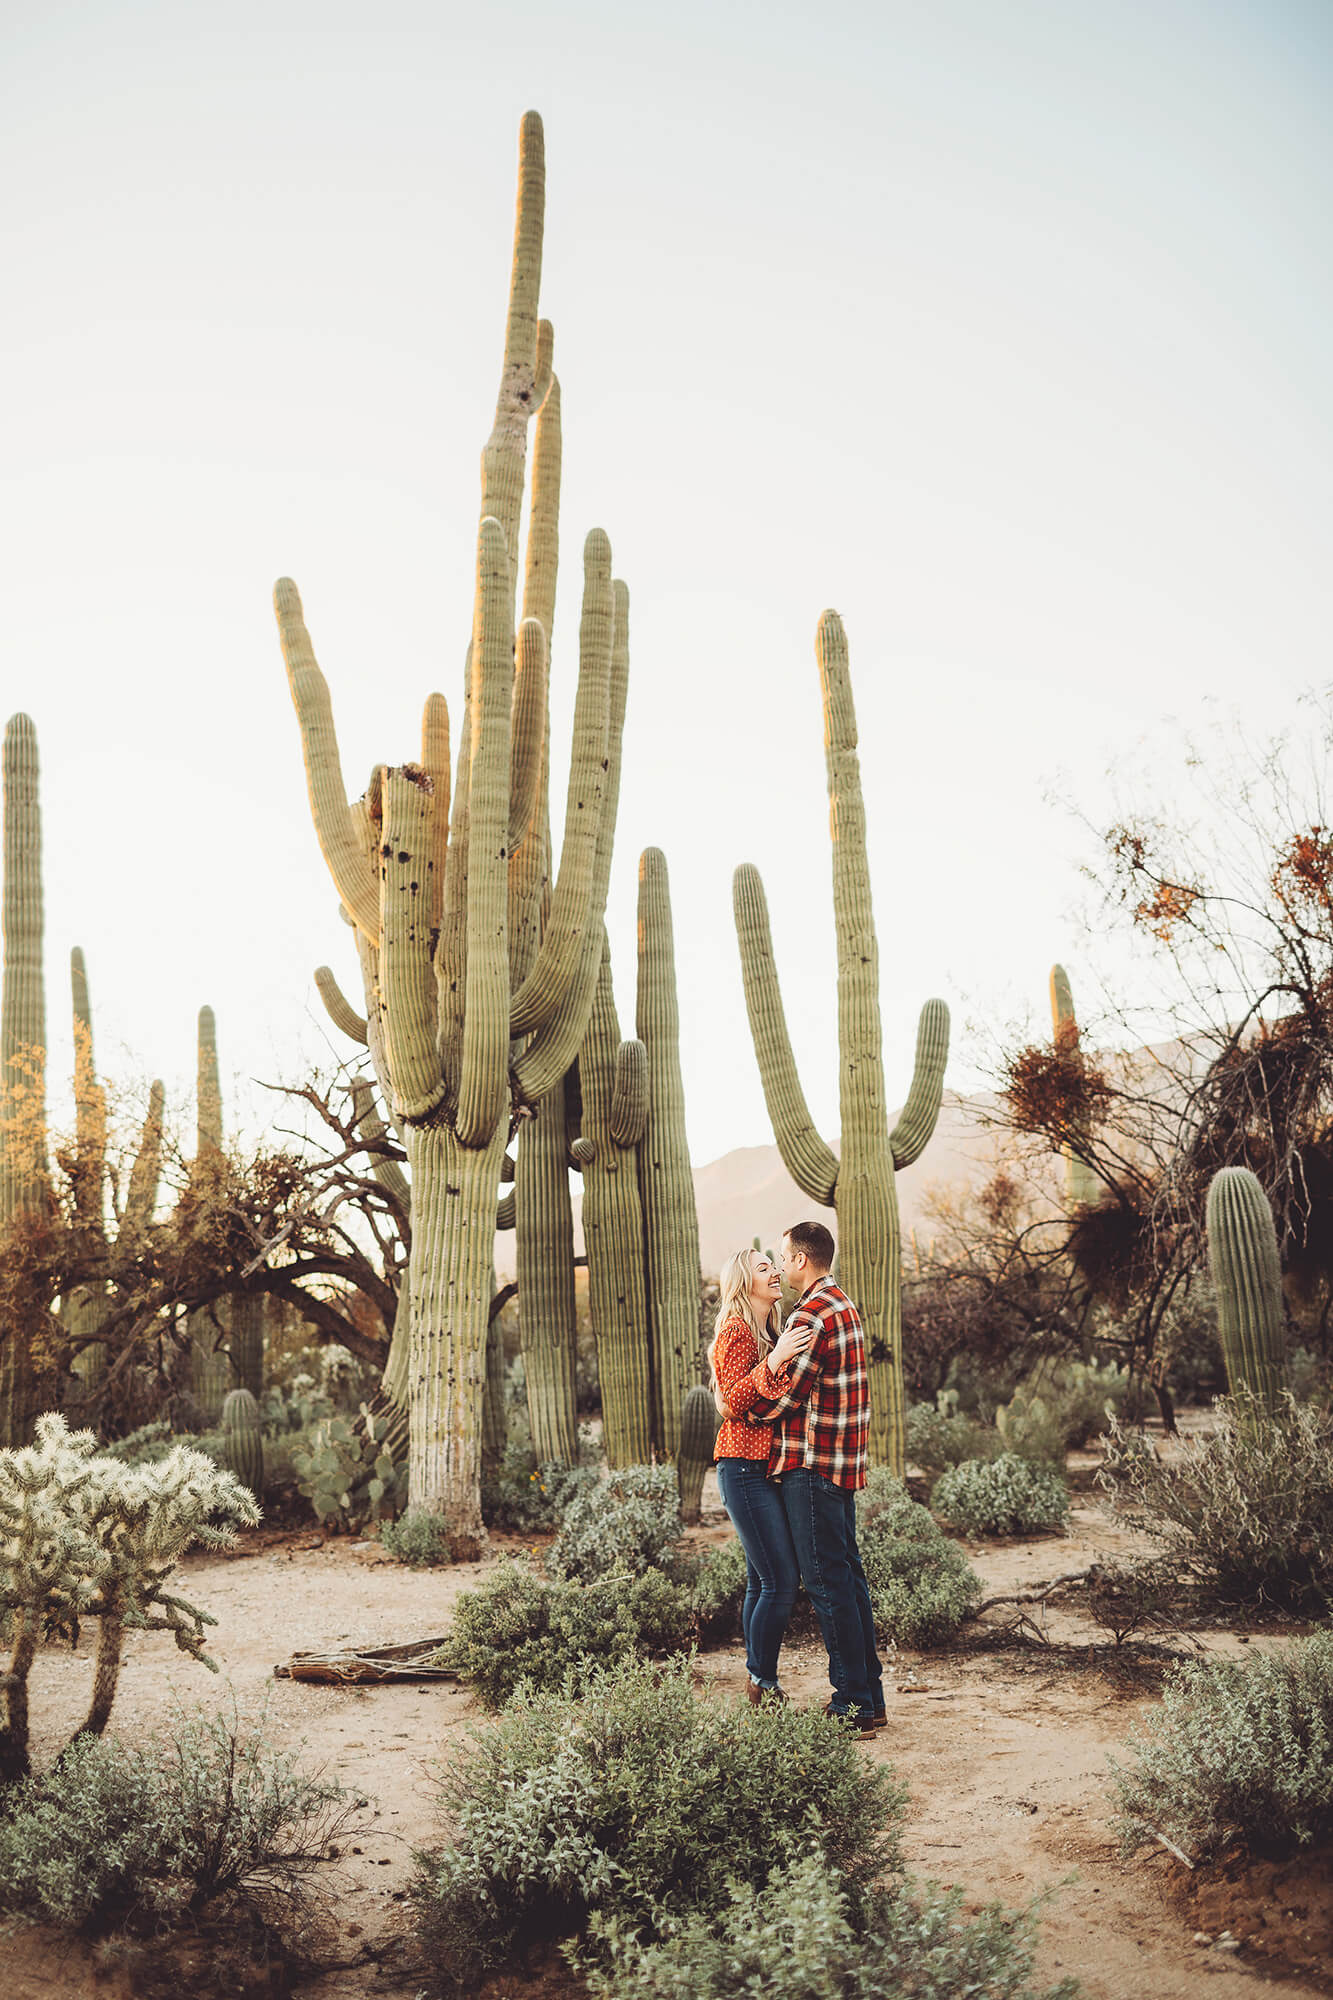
1001 326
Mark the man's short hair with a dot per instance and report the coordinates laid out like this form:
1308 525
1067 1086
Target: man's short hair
815 1241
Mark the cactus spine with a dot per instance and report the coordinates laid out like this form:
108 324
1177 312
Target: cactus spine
698 1435
23 1168
1242 1251
243 1439
666 1185
860 1184
464 1047
1082 1186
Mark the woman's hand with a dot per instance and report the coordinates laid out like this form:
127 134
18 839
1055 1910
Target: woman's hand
794 1340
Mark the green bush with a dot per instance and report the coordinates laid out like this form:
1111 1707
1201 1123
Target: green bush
115 1834
921 1584
517 1627
1238 1751
718 1592
637 1801
937 1440
420 1540
151 1443
1008 1495
526 1498
628 1521
1245 1515
796 1937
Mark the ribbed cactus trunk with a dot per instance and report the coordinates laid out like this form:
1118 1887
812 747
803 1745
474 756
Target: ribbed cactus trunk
23 1166
1082 1186
614 1093
858 1184
666 1185
84 1310
211 1375
436 882
1247 1277
545 1268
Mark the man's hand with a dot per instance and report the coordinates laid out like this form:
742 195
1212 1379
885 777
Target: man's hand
794 1340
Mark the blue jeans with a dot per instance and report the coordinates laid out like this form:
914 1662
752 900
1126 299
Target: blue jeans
760 1520
822 1517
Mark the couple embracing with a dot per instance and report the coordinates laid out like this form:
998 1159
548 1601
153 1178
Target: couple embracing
791 1456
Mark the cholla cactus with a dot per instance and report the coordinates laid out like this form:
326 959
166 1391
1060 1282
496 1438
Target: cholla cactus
84 1536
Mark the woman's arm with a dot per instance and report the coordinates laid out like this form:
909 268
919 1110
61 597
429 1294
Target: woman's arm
734 1361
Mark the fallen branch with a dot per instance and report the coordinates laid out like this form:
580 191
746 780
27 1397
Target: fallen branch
412 1662
1171 1847
1037 1596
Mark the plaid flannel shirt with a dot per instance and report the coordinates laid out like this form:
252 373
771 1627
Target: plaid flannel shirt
821 1404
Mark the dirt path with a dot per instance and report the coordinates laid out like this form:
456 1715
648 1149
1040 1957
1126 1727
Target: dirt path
1005 1755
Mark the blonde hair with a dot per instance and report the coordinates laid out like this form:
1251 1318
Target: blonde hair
734 1302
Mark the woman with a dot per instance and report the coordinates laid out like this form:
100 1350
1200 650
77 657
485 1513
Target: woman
747 1331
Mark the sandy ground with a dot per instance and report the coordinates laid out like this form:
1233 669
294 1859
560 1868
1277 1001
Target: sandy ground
1005 1755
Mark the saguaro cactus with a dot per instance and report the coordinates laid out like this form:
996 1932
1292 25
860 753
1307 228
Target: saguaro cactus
613 1077
243 1439
858 1184
698 1436
1242 1251
85 1308
666 1185
1082 1186
464 1046
210 1368
23 1167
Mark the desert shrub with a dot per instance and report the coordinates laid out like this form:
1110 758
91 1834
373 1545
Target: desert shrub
1309 1377
628 1521
921 1584
718 1592
1245 1515
117 1834
420 1540
1008 1495
520 1627
938 1438
1238 1751
525 1498
796 1937
640 1802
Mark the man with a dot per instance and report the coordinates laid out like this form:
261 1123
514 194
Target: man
821 1409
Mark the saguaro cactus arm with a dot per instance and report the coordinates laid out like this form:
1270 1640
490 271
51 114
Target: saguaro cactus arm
89 1104
335 826
146 1171
527 736
629 1097
339 1008
808 1158
526 371
411 1057
911 1135
435 762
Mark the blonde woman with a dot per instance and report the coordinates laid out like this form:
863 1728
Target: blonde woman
747 1333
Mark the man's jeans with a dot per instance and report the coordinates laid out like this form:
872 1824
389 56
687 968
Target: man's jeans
823 1528
759 1518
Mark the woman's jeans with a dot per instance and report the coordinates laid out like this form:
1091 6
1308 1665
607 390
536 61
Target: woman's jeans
760 1519
822 1517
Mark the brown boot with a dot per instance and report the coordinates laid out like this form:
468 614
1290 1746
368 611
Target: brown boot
861 1722
761 1697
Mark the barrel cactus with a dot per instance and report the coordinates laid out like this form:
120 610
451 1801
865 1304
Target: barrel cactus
698 1435
243 1440
1242 1251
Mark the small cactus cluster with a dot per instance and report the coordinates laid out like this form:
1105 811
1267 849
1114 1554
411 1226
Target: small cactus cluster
1247 1277
84 1536
857 1182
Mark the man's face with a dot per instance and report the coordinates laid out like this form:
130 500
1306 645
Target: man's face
795 1266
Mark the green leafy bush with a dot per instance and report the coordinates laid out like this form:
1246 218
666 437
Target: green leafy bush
921 1584
718 1592
420 1540
518 1627
628 1521
1238 1751
937 1439
151 1443
1246 1515
797 1937
115 1833
526 1498
635 1800
1008 1495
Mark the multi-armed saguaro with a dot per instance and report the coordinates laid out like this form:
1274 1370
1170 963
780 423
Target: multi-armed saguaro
437 894
859 1182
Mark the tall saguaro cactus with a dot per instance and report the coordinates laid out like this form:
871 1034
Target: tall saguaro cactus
1247 1277
23 1167
430 882
859 1182
666 1185
1082 1186
85 1307
210 1369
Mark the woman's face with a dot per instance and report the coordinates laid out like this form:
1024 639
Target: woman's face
765 1283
